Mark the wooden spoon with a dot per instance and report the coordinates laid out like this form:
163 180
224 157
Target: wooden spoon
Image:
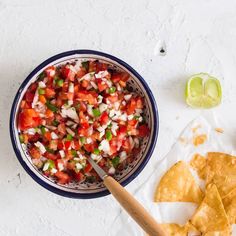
129 203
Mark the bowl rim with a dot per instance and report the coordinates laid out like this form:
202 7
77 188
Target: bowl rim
153 140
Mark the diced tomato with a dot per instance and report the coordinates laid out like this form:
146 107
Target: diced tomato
25 138
25 105
42 99
122 132
49 114
101 85
88 168
29 96
102 162
92 66
47 136
113 98
104 118
33 138
139 103
126 145
86 96
90 147
50 71
77 145
63 178
71 165
50 156
82 106
114 146
81 73
60 145
49 93
68 73
65 86
131 106
35 153
132 122
143 130
122 83
101 66
69 155
59 102
33 87
67 144
79 176
59 162
28 118
85 83
62 128
95 136
116 77
53 144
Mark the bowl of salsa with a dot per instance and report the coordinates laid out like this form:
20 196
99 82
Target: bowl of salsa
77 104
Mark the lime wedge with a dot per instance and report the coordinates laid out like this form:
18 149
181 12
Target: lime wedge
203 91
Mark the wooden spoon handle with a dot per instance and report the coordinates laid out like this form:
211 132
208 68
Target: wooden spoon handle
134 208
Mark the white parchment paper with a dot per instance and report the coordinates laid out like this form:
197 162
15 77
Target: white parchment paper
183 149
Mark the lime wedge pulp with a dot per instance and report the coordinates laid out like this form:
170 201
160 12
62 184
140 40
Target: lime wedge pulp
203 91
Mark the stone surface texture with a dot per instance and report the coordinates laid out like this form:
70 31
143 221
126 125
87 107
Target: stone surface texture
197 36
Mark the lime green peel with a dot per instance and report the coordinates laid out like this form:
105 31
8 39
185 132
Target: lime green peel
203 91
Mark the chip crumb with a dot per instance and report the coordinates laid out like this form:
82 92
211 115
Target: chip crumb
219 130
194 129
182 140
200 139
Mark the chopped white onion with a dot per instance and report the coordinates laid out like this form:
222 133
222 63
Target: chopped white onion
71 132
54 135
103 107
112 170
104 146
42 84
41 147
62 153
127 97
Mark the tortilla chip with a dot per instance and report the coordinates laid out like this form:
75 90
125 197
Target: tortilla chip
178 185
210 215
230 206
178 230
224 183
225 232
175 229
198 163
220 164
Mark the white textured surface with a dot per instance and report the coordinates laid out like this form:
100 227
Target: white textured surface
199 36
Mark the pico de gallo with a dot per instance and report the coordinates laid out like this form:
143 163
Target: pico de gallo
79 109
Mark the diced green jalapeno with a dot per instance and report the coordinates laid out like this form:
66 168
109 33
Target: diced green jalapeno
85 65
96 151
41 91
51 107
112 89
108 135
69 137
115 161
21 137
96 112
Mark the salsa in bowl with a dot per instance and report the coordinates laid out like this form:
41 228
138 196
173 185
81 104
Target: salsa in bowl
78 104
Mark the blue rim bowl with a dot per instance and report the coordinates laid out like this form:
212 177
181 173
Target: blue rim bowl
21 154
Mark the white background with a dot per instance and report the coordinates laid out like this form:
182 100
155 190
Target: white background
200 36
